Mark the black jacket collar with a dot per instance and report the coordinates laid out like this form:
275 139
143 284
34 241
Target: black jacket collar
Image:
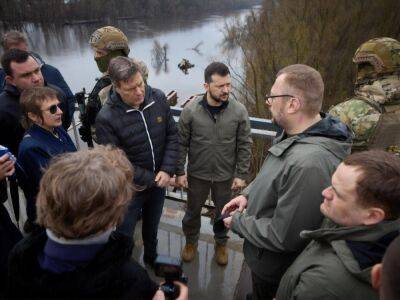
115 99
12 90
204 102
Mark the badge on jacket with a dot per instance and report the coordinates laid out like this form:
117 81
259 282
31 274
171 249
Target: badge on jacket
159 119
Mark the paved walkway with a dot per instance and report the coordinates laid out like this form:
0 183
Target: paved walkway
207 280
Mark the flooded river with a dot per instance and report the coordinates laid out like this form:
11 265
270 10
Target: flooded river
66 47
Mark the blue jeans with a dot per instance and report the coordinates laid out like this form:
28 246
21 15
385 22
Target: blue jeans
150 203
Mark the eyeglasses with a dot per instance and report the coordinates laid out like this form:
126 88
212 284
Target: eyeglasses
53 108
269 98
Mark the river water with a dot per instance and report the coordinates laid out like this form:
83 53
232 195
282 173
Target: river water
66 47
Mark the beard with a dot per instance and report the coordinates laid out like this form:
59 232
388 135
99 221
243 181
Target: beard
278 118
218 99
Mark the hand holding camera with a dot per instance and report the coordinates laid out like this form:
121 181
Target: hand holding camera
175 282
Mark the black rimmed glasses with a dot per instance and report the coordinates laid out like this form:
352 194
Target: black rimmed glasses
269 98
53 108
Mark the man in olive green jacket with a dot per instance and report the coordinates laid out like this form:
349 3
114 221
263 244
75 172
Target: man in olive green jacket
215 134
362 205
285 196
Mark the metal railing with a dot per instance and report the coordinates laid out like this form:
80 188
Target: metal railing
260 128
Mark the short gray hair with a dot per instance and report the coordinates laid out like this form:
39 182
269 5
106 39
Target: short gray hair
121 69
308 82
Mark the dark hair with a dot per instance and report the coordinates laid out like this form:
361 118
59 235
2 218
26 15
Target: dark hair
378 184
13 55
215 68
31 101
122 68
12 38
390 276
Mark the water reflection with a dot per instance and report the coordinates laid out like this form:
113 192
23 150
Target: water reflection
197 48
198 40
159 59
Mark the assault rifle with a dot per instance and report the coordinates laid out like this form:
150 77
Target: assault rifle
85 129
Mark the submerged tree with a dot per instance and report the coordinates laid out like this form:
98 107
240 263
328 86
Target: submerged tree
159 57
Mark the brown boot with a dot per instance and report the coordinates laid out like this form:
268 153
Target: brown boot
221 254
188 252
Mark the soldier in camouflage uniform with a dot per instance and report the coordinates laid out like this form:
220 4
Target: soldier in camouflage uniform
373 114
107 42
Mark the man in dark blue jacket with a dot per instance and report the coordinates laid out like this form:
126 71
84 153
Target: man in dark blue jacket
22 72
16 40
137 119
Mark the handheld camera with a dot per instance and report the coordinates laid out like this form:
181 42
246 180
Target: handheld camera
171 269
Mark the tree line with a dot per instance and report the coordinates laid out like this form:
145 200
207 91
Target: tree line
319 33
56 11
322 34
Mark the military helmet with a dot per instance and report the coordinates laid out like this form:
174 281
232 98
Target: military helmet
377 57
109 38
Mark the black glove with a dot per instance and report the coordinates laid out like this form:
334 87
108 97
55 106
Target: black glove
92 109
85 133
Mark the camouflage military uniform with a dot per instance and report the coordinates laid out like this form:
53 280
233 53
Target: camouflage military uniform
114 42
103 93
377 93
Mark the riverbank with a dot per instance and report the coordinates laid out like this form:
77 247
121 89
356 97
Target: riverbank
67 48
85 11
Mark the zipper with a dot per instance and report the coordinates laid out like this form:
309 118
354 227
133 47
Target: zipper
147 130
214 121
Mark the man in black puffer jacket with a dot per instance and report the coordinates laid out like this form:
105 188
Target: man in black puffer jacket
137 119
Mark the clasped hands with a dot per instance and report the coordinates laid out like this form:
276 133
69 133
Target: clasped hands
238 203
182 182
162 179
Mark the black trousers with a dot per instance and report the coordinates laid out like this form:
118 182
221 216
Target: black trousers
262 289
150 203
